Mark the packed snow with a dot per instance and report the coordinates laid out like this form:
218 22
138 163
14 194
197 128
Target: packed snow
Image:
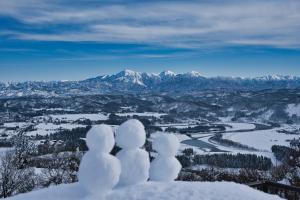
165 167
100 138
166 144
135 163
135 166
99 171
176 190
131 134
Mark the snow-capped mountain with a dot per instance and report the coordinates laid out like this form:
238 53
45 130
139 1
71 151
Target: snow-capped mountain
129 81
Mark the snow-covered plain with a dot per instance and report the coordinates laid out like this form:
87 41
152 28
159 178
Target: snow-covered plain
239 126
154 191
74 117
261 139
144 114
48 128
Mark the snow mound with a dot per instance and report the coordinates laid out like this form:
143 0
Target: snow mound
99 172
166 144
164 169
100 138
135 166
155 191
131 134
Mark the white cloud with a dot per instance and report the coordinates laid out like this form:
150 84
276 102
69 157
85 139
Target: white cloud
189 25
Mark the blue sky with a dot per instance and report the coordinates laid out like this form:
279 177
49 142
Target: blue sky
71 40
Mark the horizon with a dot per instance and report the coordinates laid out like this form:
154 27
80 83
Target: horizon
60 40
155 73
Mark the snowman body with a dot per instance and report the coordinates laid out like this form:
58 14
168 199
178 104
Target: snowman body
165 167
99 171
135 163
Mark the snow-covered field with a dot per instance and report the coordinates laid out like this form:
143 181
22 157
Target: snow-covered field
293 109
261 139
48 128
74 117
239 126
243 133
144 114
154 191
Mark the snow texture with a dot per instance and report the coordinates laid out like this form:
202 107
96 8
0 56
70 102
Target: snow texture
165 166
135 166
166 144
100 138
135 162
131 134
99 171
176 190
293 109
164 169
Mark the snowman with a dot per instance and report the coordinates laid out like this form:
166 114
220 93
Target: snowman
165 167
99 171
135 164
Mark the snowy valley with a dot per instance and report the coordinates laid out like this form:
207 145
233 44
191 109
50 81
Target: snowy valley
239 135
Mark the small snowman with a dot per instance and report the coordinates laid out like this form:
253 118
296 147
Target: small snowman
99 171
165 167
135 164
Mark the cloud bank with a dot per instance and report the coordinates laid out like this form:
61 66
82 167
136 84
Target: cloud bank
196 24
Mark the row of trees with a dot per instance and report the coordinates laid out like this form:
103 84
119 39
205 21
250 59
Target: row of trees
246 161
212 174
218 137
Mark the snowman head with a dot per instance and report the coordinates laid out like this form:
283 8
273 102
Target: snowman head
131 134
166 144
100 138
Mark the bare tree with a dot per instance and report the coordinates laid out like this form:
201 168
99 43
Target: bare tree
24 149
62 169
14 180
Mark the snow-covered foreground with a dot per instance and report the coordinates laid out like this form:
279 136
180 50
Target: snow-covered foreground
155 191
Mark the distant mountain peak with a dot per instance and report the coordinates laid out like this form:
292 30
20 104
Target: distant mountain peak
167 73
194 74
127 72
129 81
129 76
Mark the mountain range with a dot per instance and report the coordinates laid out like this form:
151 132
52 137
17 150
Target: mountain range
128 81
